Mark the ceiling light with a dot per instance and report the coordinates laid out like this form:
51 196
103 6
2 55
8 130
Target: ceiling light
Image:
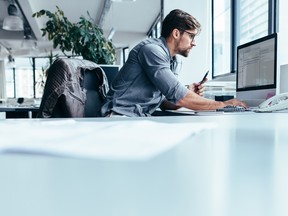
12 22
11 62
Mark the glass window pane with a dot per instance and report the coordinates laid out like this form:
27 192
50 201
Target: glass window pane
253 20
222 37
41 65
24 81
9 82
20 79
24 78
158 28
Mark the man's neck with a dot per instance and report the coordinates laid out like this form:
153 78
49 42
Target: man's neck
171 46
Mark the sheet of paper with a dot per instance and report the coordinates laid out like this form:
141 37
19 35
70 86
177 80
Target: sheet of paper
183 110
137 139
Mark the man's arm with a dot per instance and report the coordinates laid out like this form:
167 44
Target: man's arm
195 102
166 105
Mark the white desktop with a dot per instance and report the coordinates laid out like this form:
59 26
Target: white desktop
236 166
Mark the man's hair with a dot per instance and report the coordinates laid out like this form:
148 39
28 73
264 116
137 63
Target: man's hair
180 20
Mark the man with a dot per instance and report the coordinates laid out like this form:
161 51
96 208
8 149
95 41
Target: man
146 81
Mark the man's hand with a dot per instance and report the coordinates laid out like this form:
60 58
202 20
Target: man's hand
198 88
235 102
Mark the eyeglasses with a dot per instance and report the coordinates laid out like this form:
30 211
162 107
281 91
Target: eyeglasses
191 35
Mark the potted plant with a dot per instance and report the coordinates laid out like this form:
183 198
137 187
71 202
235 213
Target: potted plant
82 38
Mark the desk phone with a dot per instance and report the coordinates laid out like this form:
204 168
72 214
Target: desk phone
275 103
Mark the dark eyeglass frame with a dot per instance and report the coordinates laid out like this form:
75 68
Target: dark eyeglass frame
191 35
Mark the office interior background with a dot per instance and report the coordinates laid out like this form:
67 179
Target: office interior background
225 25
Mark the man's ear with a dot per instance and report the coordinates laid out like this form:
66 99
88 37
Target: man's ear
176 33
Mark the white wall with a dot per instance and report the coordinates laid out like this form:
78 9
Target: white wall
199 59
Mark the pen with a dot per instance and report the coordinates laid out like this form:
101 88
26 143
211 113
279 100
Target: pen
206 74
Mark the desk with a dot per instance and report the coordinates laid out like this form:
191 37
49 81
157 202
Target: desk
237 168
19 112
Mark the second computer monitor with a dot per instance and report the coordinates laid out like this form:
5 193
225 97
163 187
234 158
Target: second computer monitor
111 71
256 70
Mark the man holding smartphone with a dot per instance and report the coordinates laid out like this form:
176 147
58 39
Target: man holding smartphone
147 80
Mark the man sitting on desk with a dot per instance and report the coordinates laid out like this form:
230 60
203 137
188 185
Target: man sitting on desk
147 80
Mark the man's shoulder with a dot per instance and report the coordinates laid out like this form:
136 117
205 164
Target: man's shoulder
154 41
153 44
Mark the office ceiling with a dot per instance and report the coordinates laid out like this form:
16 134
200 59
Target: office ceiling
131 20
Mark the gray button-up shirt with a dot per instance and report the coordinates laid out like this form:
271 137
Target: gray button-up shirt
144 81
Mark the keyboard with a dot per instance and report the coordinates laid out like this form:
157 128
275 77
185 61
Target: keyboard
231 108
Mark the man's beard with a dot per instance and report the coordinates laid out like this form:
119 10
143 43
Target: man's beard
184 53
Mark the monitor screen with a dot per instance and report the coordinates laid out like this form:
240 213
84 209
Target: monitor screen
256 70
111 71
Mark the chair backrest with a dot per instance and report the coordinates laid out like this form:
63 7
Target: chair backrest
93 83
74 88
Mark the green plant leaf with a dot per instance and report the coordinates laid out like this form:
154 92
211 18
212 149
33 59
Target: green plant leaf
82 38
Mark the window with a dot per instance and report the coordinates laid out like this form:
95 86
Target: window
26 78
253 20
222 37
235 23
155 30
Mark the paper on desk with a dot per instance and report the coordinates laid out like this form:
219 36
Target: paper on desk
133 139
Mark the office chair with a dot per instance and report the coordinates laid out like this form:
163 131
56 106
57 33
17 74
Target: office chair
74 88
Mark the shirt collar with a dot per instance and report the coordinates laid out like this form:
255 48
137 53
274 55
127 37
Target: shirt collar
167 49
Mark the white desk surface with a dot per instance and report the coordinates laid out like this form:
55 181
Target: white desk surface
239 168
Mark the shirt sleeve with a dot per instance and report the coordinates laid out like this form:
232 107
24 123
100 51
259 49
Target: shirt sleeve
156 63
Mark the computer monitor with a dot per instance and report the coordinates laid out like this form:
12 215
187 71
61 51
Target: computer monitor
111 71
256 70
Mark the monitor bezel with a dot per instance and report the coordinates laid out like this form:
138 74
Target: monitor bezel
251 43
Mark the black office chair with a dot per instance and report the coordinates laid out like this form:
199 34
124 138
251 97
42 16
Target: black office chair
74 88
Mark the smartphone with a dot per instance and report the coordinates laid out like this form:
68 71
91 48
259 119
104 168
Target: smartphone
206 74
